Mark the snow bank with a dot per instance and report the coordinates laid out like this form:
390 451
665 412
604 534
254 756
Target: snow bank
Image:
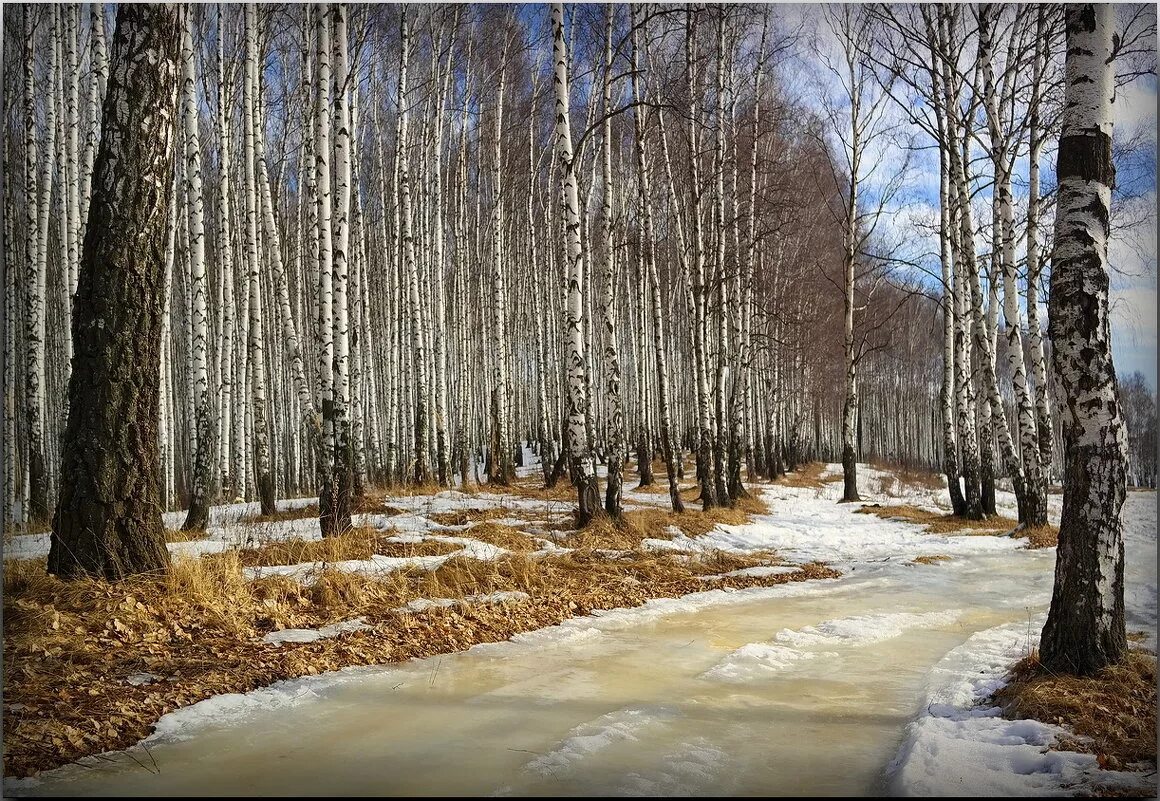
958 746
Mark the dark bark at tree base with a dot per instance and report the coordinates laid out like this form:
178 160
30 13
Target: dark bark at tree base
108 516
987 496
588 497
1085 628
557 469
38 508
644 461
612 491
267 500
705 473
335 501
197 518
958 503
736 488
1034 508
849 476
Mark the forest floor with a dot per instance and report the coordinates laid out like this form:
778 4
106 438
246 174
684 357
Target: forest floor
89 666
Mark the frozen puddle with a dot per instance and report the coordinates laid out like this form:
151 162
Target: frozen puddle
810 688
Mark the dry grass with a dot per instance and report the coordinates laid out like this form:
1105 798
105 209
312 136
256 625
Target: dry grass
69 646
177 535
301 513
1113 713
808 476
930 559
502 536
940 523
358 543
1042 536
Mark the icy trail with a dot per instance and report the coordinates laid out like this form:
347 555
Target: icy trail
803 689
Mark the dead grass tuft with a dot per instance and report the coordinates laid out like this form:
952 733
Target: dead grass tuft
177 535
1113 714
930 559
358 543
940 523
808 476
384 546
502 536
301 513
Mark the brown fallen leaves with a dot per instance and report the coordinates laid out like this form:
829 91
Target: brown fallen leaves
69 647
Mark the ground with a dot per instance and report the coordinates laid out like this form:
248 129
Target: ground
430 573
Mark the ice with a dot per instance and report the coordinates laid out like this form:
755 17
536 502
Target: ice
758 659
313 635
865 629
605 732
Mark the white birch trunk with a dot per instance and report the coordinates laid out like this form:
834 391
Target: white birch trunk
586 484
263 478
1085 625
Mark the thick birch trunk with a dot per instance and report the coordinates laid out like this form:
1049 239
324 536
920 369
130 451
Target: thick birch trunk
1085 625
108 517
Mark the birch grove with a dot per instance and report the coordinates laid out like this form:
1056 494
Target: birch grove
588 243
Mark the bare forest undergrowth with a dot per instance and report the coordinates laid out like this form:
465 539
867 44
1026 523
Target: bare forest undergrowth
71 648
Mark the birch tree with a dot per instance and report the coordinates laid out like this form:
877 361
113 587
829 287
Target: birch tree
198 516
588 492
108 517
1085 624
256 362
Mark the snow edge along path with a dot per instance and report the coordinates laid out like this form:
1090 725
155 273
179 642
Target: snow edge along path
960 746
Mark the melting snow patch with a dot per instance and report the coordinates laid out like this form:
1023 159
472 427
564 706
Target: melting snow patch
757 659
312 635
865 629
307 572
501 597
137 679
691 771
759 571
958 746
620 726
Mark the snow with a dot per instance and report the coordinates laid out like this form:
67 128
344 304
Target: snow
499 597
605 732
307 572
313 635
137 679
959 746
757 660
953 746
865 629
760 571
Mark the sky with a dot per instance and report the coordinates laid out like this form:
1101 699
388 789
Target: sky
1132 250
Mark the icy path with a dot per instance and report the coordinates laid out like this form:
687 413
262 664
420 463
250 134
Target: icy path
805 689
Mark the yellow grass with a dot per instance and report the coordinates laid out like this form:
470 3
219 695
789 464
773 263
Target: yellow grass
930 559
69 646
1113 713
